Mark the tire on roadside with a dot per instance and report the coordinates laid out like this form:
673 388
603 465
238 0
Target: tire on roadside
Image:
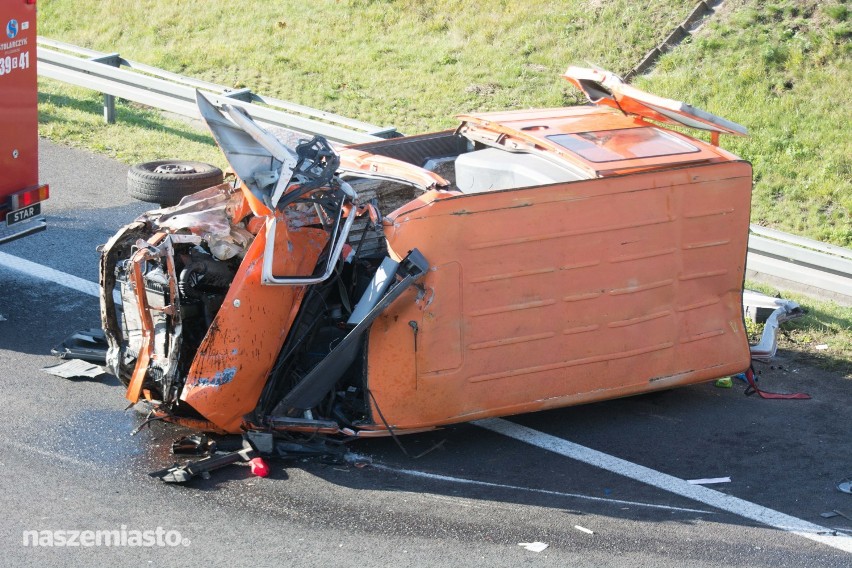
168 181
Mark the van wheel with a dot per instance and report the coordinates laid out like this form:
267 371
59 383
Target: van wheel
168 181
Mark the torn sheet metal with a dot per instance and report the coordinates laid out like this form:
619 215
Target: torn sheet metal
89 345
75 369
782 311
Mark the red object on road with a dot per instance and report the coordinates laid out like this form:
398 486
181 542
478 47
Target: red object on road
259 467
21 195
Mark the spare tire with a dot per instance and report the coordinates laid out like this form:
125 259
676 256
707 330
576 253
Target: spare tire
168 181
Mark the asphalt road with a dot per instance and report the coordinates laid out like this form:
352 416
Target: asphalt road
69 463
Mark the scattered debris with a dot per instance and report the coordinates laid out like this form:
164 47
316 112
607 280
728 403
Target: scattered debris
89 345
534 546
845 486
263 441
258 467
755 306
828 515
724 383
821 347
752 389
584 529
75 369
709 480
203 467
194 445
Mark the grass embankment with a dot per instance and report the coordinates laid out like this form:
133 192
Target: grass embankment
782 69
410 63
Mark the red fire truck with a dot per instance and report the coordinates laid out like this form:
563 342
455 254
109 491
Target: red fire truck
21 195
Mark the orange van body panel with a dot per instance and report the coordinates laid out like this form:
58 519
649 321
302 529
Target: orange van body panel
565 294
236 356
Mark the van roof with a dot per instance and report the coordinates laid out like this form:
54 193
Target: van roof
600 140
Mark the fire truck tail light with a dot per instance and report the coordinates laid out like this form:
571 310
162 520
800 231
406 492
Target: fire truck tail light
30 196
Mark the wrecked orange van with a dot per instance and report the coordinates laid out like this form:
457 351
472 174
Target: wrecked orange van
523 261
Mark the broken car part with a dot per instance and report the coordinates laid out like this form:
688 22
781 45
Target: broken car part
75 369
89 345
168 181
203 467
756 306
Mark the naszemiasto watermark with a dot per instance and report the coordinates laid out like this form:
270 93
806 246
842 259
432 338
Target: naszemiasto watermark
120 537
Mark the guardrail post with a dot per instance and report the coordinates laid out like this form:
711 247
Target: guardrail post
240 95
113 60
386 133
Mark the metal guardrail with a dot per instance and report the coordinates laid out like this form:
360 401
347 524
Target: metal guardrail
106 73
800 264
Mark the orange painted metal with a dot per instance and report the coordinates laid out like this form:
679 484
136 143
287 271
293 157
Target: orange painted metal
233 362
191 423
134 389
254 204
607 89
359 161
565 294
530 131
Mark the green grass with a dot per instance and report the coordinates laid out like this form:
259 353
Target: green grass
74 117
410 63
784 71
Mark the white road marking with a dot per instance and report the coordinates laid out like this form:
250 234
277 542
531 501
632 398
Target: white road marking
448 478
52 275
669 483
46 273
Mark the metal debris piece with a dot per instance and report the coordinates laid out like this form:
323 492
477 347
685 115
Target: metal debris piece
782 311
89 345
534 546
263 441
75 369
828 515
194 445
584 529
203 467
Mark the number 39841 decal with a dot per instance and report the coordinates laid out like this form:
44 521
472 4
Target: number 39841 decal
11 63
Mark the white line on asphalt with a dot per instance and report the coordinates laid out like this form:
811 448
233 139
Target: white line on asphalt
52 275
447 478
669 483
46 273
